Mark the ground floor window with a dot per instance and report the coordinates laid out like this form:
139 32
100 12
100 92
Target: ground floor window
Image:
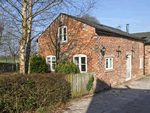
109 63
81 61
51 62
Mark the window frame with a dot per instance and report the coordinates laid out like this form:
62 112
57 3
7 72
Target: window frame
109 68
51 63
62 30
80 64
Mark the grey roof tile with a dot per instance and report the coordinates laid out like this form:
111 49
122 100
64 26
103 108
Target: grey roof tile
105 28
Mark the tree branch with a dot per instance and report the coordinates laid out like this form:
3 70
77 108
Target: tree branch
10 14
11 3
35 36
46 8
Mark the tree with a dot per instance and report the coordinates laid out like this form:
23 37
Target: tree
1 31
2 23
34 47
9 37
30 13
10 42
90 18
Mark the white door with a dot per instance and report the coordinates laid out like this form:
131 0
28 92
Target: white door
128 72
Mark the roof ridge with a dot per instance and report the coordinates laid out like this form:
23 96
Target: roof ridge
92 22
140 32
101 27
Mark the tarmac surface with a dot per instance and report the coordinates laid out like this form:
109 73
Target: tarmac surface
130 97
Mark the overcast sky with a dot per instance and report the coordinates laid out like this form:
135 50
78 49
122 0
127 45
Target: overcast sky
115 13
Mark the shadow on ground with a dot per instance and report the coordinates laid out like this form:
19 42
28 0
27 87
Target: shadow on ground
124 99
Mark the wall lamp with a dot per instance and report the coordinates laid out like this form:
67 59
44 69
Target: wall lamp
103 50
132 49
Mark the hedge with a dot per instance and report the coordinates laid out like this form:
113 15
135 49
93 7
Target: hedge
20 93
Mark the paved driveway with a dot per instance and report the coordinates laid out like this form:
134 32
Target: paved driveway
130 97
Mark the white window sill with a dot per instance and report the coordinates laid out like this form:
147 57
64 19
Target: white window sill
65 42
83 72
109 70
141 68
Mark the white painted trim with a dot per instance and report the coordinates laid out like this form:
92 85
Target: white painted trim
128 53
130 68
141 62
79 56
109 68
109 56
62 34
51 56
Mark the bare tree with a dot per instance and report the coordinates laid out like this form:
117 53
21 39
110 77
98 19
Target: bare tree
34 47
1 31
9 37
10 42
32 13
2 23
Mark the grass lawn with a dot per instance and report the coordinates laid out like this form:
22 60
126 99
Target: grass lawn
7 73
9 61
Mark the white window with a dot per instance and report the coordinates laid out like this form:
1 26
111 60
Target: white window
62 33
109 63
81 61
141 62
51 62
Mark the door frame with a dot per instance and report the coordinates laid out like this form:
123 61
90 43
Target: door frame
129 56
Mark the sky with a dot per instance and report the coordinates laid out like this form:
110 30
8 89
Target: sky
116 13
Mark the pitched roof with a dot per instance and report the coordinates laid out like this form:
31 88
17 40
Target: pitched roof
105 28
145 35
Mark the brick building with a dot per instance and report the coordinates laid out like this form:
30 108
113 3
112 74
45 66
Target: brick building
114 55
146 36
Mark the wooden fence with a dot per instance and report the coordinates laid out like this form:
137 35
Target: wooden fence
79 82
9 67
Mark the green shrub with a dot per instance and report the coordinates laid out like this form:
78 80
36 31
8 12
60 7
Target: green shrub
37 64
20 93
66 67
90 83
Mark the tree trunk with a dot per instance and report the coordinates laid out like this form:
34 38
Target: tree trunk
14 58
28 42
6 59
24 36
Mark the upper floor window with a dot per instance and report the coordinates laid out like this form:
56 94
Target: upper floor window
81 61
62 33
51 62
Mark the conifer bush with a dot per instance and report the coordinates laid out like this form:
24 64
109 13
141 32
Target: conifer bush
38 64
66 67
90 84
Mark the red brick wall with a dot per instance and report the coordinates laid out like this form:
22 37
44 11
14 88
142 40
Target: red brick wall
147 59
119 63
82 39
